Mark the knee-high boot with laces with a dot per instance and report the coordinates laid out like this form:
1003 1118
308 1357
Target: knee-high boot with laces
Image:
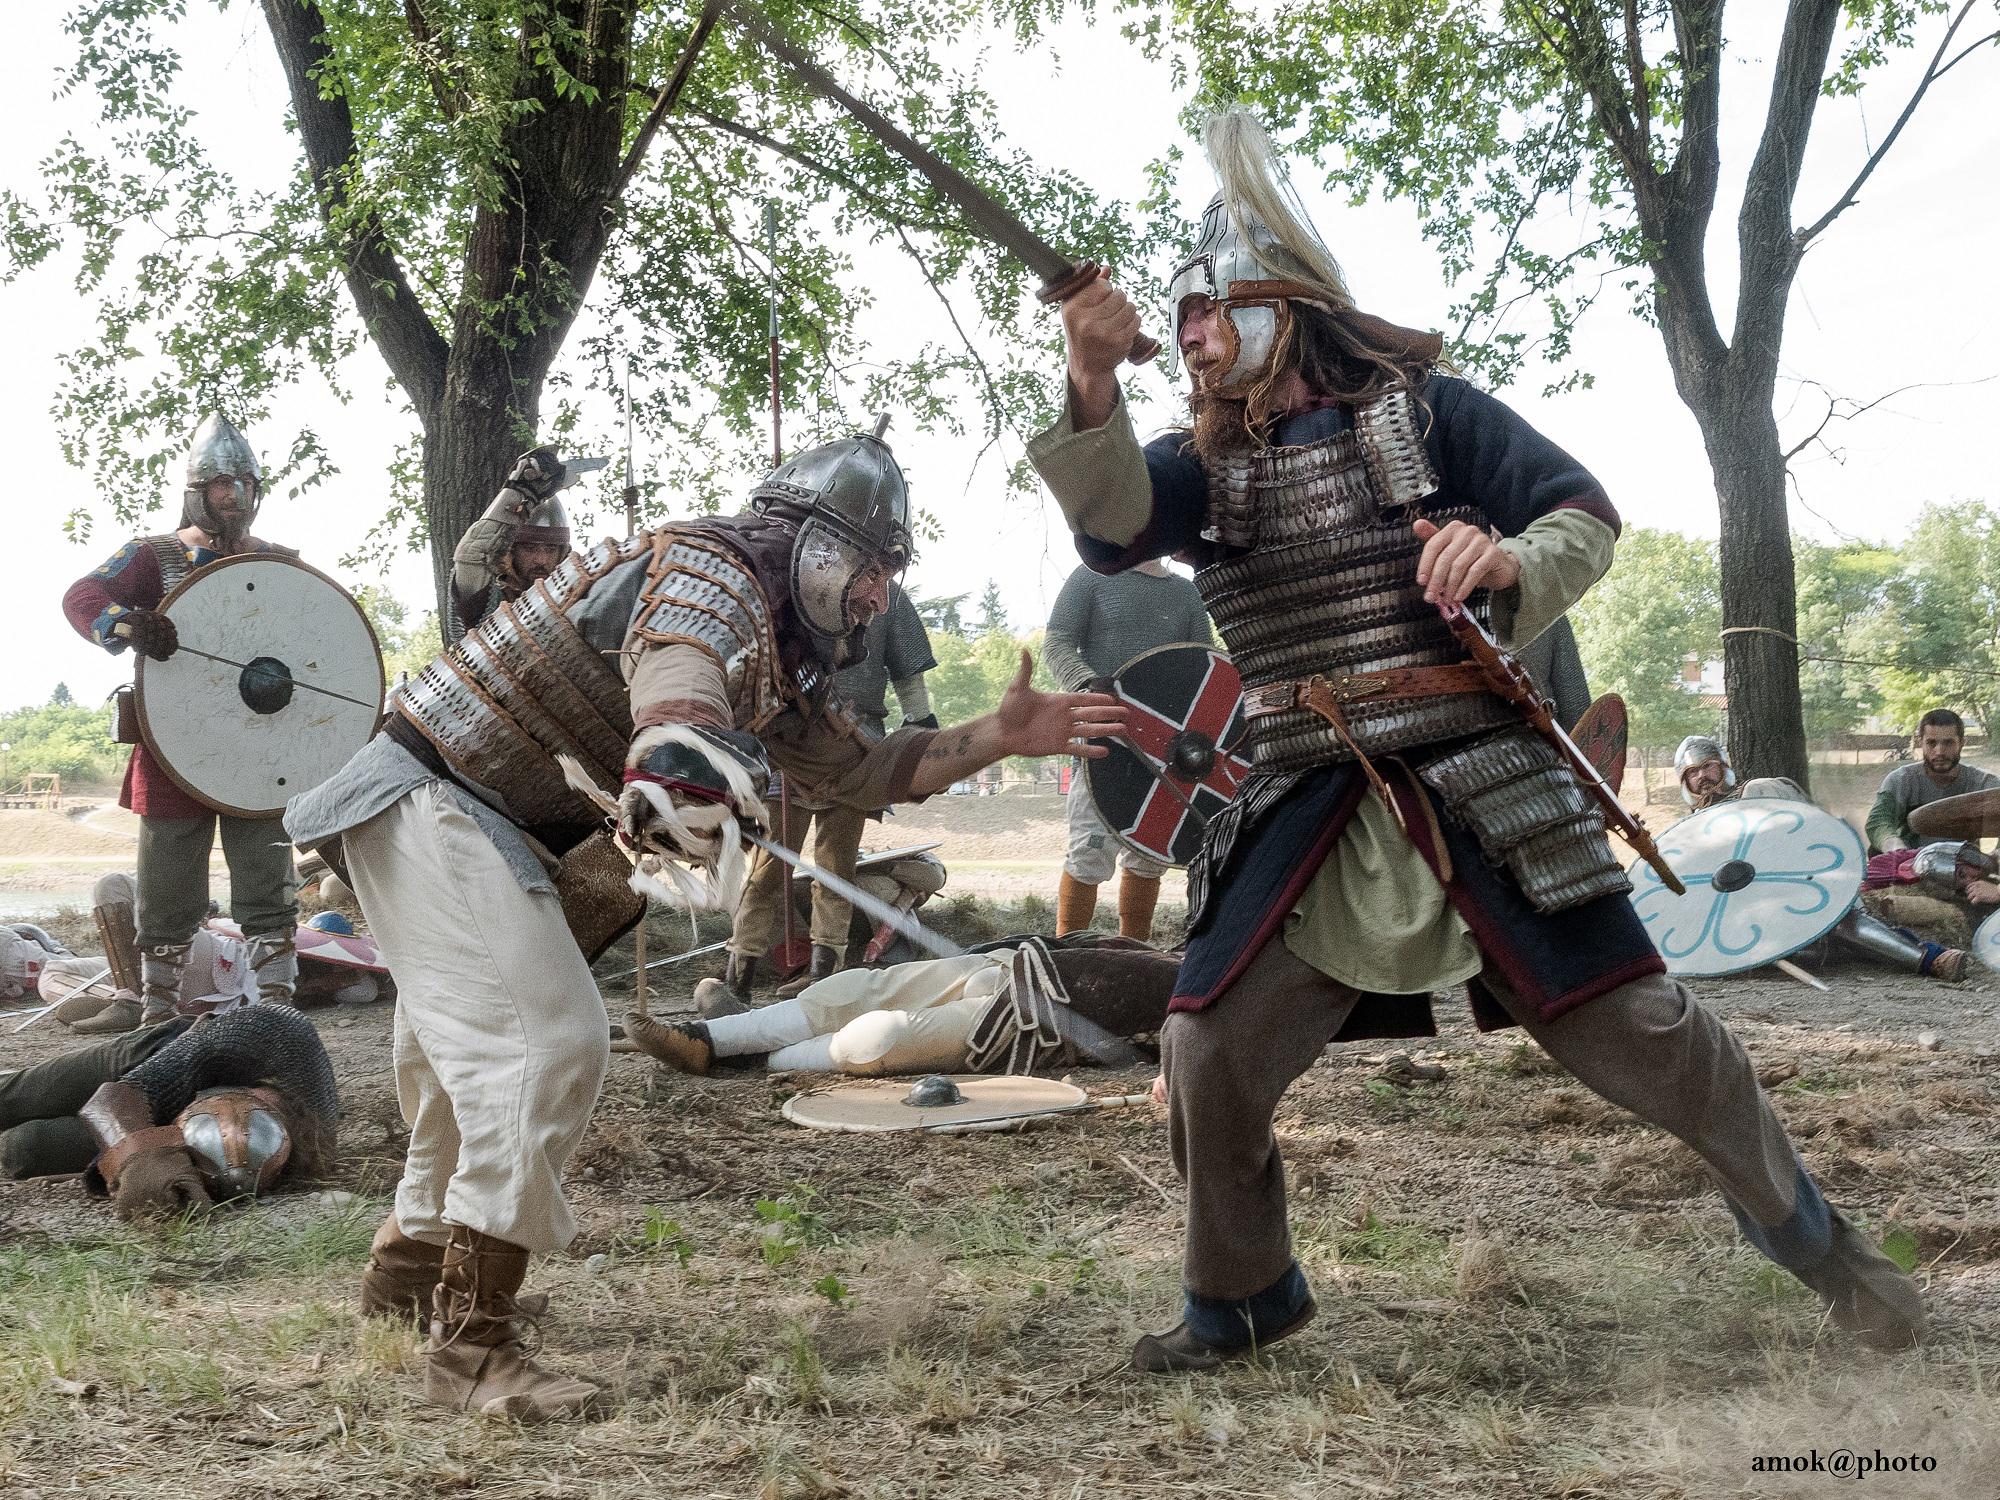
476 1360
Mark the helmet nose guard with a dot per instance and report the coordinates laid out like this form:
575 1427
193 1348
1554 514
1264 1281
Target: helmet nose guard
219 450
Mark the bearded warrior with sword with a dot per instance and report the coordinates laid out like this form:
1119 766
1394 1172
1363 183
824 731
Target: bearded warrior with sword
1404 828
662 670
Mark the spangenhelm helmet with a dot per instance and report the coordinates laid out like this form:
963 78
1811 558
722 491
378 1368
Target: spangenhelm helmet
1937 865
1695 750
1257 252
219 451
852 507
238 1140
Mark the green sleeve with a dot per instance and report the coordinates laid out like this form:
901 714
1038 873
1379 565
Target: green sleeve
1885 820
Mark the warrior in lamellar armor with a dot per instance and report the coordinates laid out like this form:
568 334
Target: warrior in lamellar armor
117 606
667 672
1401 830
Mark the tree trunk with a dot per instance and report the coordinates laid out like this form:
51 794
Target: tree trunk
1760 661
468 450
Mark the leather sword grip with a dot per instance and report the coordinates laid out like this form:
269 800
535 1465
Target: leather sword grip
1144 350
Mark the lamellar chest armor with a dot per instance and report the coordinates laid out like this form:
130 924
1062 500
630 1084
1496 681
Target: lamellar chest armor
1318 576
540 676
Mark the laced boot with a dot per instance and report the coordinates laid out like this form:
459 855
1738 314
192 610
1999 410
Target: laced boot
274 958
160 981
1076 904
826 962
121 1013
476 1360
1137 896
402 1274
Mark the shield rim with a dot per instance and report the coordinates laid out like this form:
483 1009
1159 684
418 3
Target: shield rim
1989 821
1090 789
1982 946
163 607
1646 880
920 1126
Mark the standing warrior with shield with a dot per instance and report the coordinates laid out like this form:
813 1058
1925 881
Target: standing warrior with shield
1402 829
663 668
117 606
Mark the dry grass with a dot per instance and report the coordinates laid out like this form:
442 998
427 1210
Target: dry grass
1523 1293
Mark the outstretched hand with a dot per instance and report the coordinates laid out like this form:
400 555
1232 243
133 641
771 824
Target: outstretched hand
1458 558
1037 723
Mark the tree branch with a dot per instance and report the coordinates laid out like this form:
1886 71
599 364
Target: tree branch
411 345
1769 253
1931 75
1635 67
431 57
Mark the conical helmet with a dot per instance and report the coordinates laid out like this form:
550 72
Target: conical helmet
220 451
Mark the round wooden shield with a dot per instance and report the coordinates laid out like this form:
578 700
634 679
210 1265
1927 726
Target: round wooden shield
1974 815
991 1100
1986 942
277 682
1764 878
1157 793
1601 735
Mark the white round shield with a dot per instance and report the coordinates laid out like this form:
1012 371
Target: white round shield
1765 877
990 1101
1986 942
276 683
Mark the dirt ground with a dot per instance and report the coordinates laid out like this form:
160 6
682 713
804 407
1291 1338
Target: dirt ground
1524 1292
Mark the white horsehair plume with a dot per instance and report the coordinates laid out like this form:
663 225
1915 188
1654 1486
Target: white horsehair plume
707 836
1264 207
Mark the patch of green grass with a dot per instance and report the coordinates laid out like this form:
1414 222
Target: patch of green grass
1828 1082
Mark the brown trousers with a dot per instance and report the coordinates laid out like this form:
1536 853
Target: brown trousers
836 834
1646 1046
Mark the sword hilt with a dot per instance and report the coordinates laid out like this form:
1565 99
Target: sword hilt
1144 350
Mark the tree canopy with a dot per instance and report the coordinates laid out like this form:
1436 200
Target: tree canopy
471 171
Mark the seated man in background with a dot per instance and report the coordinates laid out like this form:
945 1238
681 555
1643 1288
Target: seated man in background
1881 922
1936 775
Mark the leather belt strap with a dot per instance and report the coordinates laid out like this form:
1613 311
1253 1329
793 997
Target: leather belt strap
1325 697
1363 687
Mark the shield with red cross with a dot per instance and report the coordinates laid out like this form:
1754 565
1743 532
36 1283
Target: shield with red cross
1180 763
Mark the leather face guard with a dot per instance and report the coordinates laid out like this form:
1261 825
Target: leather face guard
238 1140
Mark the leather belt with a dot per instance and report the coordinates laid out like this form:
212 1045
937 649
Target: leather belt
1363 687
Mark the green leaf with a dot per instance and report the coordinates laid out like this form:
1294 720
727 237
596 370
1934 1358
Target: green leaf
1901 1246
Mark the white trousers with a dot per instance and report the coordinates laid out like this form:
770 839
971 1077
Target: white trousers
908 1018
501 1041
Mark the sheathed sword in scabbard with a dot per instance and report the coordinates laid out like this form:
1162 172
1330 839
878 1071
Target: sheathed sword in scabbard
1511 681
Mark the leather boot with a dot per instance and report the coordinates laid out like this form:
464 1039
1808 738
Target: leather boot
1137 896
1076 904
401 1276
475 1360
826 962
738 975
681 1045
122 1014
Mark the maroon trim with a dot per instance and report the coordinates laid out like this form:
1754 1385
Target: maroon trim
693 791
1287 898
907 761
1594 504
1603 984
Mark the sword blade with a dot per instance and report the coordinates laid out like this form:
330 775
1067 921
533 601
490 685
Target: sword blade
901 921
1091 1039
975 202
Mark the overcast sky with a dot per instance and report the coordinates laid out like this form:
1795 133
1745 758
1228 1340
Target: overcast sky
1893 297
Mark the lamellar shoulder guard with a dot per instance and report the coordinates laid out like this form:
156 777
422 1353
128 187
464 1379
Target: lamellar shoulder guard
525 685
699 593
1319 577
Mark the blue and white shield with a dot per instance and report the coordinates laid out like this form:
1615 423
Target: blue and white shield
1986 942
1765 877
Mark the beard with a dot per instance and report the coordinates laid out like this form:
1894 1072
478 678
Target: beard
1221 426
